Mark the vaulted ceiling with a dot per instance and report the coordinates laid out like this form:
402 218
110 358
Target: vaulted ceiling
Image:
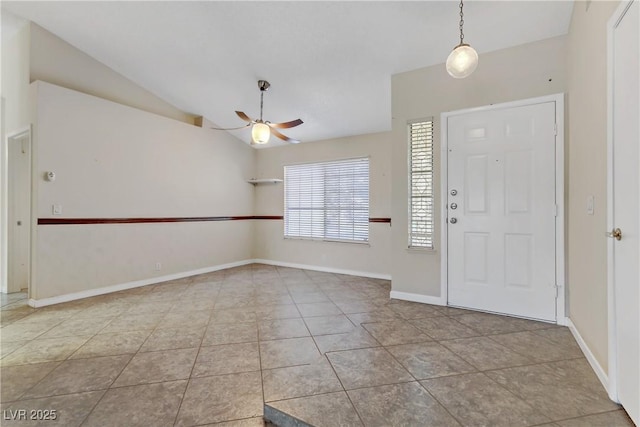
329 63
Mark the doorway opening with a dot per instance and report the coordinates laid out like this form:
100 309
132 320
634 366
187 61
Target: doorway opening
18 214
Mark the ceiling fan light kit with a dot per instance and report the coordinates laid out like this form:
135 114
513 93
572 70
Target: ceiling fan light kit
262 130
463 60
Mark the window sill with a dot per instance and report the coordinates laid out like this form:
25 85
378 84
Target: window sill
422 250
349 242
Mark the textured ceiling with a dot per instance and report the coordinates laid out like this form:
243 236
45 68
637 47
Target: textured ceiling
329 63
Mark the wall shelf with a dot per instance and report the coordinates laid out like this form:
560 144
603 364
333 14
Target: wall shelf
264 181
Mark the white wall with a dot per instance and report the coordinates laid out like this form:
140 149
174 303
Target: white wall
55 61
587 246
372 259
525 71
114 161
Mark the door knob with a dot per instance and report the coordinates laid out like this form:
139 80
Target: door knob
616 233
453 220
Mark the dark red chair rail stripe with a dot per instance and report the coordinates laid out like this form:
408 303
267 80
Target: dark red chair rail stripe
80 221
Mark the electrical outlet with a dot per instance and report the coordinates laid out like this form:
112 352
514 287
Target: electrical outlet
158 266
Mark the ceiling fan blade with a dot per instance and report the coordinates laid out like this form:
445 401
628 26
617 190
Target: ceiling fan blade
239 127
285 125
284 137
244 117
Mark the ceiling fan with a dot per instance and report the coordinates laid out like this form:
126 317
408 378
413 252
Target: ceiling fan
262 130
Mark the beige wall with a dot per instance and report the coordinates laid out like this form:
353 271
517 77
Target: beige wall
525 71
55 61
115 161
587 246
373 259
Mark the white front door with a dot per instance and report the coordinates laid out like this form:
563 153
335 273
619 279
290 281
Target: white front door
625 253
501 210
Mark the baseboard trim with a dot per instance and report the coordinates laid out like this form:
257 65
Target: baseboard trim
600 373
36 303
324 269
426 299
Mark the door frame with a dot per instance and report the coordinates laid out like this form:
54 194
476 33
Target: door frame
612 371
558 98
4 214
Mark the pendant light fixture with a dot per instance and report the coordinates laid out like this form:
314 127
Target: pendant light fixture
463 60
261 132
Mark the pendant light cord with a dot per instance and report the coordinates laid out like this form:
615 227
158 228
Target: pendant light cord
461 23
261 98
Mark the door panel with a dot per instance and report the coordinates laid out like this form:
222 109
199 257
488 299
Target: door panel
501 245
626 209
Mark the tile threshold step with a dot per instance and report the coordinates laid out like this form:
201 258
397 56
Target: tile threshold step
282 419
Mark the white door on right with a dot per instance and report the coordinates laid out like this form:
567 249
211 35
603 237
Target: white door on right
501 210
626 207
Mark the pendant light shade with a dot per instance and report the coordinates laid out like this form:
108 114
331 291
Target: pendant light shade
462 61
260 133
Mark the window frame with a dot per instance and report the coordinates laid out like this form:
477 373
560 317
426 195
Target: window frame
324 238
430 170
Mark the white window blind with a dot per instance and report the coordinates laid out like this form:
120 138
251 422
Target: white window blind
327 201
421 221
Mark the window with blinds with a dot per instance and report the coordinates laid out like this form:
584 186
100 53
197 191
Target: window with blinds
327 201
421 220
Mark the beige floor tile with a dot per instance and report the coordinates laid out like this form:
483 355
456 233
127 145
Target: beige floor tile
381 315
326 325
277 311
414 310
395 332
357 338
309 297
227 359
367 368
315 309
233 315
443 328
18 331
133 322
299 381
536 347
221 398
282 328
562 336
194 319
158 366
475 400
45 350
247 422
139 406
405 404
78 326
488 324
549 393
169 339
70 410
324 410
230 333
607 419
429 360
7 348
15 380
112 344
80 375
288 352
358 306
484 353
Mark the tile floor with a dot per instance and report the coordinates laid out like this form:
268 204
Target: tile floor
327 349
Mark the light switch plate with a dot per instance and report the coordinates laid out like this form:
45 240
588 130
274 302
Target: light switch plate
56 209
590 202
